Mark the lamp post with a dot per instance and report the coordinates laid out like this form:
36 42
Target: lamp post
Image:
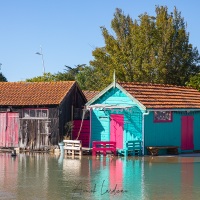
41 54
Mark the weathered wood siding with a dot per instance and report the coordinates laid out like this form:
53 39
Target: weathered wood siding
169 133
70 109
100 117
9 129
39 133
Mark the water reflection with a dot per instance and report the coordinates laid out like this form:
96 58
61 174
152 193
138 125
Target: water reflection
46 176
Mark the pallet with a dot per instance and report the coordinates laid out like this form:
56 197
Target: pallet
133 148
73 147
103 147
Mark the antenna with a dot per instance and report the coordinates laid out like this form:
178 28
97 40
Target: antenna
114 79
41 54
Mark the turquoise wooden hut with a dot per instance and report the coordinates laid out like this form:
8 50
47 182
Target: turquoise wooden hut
159 115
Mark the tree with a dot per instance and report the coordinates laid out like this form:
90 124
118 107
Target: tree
194 82
88 80
47 77
74 71
68 75
151 49
2 78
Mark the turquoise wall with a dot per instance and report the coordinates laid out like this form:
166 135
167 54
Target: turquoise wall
100 126
169 133
197 131
155 134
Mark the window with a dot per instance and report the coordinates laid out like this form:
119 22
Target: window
35 113
162 116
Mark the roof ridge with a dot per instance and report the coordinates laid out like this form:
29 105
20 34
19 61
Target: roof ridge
155 84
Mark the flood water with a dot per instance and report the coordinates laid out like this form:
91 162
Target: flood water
46 176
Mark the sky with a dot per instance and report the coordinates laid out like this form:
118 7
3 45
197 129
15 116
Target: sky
67 31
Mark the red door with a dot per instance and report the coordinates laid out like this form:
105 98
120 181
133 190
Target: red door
187 133
9 129
84 128
116 129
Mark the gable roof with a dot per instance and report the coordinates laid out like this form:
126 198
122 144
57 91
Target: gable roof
158 96
90 94
113 85
33 93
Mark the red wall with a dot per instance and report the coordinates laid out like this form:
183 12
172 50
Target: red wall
84 133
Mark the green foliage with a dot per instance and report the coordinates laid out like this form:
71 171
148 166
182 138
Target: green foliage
2 78
68 75
68 128
194 82
151 49
88 79
47 77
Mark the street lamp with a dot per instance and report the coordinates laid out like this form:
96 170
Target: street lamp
41 54
0 65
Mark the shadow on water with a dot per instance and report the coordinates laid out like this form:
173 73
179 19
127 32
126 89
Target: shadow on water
47 176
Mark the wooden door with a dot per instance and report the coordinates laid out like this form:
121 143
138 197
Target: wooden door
9 129
187 133
2 129
116 129
12 130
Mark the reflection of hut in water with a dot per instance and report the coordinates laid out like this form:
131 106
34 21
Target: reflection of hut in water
33 114
71 167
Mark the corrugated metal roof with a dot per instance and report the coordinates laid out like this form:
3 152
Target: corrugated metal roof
163 96
33 93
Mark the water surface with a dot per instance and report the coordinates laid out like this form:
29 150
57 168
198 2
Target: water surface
49 176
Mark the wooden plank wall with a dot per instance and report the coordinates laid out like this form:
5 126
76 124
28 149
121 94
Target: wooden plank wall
9 130
100 117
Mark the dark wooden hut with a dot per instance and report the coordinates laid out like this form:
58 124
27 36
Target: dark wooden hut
33 114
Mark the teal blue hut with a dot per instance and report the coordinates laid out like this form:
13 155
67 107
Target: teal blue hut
157 115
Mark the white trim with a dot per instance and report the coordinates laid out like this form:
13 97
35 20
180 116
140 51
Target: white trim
107 106
113 85
143 114
131 97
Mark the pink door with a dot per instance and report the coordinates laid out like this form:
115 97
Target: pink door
187 133
2 129
9 129
116 129
12 130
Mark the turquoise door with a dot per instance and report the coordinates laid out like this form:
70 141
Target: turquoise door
116 129
187 133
